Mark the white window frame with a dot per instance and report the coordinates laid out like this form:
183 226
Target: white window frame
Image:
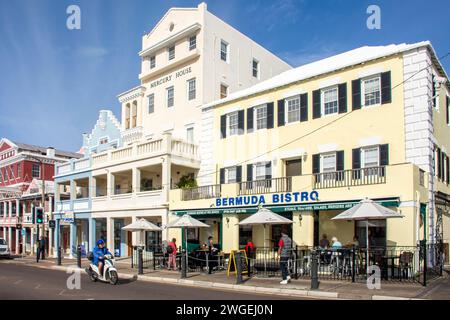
255 115
192 45
32 170
363 156
322 100
227 52
363 90
328 175
188 131
168 52
168 98
226 89
189 91
152 62
261 166
257 68
152 96
103 139
286 109
229 129
227 174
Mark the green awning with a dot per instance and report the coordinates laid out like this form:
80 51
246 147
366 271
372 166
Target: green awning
340 205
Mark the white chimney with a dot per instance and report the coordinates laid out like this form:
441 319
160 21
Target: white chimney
50 152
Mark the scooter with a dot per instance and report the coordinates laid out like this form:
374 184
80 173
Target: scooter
109 271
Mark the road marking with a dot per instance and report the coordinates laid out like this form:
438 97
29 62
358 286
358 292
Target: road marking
37 287
62 291
18 281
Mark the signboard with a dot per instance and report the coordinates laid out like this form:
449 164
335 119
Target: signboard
232 262
24 232
69 217
52 224
343 205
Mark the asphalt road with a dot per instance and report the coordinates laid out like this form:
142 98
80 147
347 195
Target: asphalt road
24 282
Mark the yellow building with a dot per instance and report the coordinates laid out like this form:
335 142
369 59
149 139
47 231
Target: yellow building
311 142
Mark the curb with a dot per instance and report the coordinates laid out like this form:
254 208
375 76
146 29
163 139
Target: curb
313 294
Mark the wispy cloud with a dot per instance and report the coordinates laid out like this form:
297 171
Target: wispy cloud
303 56
278 13
92 51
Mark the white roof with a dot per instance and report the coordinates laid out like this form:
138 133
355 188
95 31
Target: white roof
265 216
367 210
337 62
188 222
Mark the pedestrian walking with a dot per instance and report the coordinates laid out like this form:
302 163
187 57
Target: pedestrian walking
41 248
172 251
284 252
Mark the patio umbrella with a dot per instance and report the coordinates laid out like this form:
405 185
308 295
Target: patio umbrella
186 221
264 217
141 225
367 210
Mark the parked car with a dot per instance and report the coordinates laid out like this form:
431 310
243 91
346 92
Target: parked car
4 250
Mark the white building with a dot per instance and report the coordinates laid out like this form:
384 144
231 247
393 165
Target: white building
190 58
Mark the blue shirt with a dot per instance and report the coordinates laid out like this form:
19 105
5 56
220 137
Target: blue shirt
99 252
337 245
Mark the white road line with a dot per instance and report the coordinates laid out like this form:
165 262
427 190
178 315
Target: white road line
18 281
37 287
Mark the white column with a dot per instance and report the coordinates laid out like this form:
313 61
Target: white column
136 180
166 177
10 238
17 240
135 236
33 235
92 230
110 234
109 184
73 242
164 221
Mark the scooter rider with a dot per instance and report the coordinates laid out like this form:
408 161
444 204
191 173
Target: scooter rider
99 255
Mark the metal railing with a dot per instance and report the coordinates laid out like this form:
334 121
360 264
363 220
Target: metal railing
403 264
350 178
204 192
274 185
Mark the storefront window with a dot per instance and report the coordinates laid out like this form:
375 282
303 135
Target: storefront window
245 234
153 240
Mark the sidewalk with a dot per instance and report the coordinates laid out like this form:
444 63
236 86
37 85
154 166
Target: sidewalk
439 289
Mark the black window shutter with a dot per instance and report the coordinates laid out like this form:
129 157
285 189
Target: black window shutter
356 94
438 163
223 126
316 163
304 107
250 120
241 122
268 170
384 155
386 94
270 115
356 163
222 176
281 112
238 173
340 160
316 104
250 172
447 165
342 89
339 165
442 166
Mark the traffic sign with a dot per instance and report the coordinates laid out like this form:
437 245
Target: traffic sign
18 226
52 224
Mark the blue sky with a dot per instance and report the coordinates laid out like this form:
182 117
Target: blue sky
54 80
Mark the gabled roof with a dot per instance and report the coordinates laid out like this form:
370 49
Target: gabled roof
331 64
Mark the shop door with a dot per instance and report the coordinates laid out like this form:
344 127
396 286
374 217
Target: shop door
130 243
